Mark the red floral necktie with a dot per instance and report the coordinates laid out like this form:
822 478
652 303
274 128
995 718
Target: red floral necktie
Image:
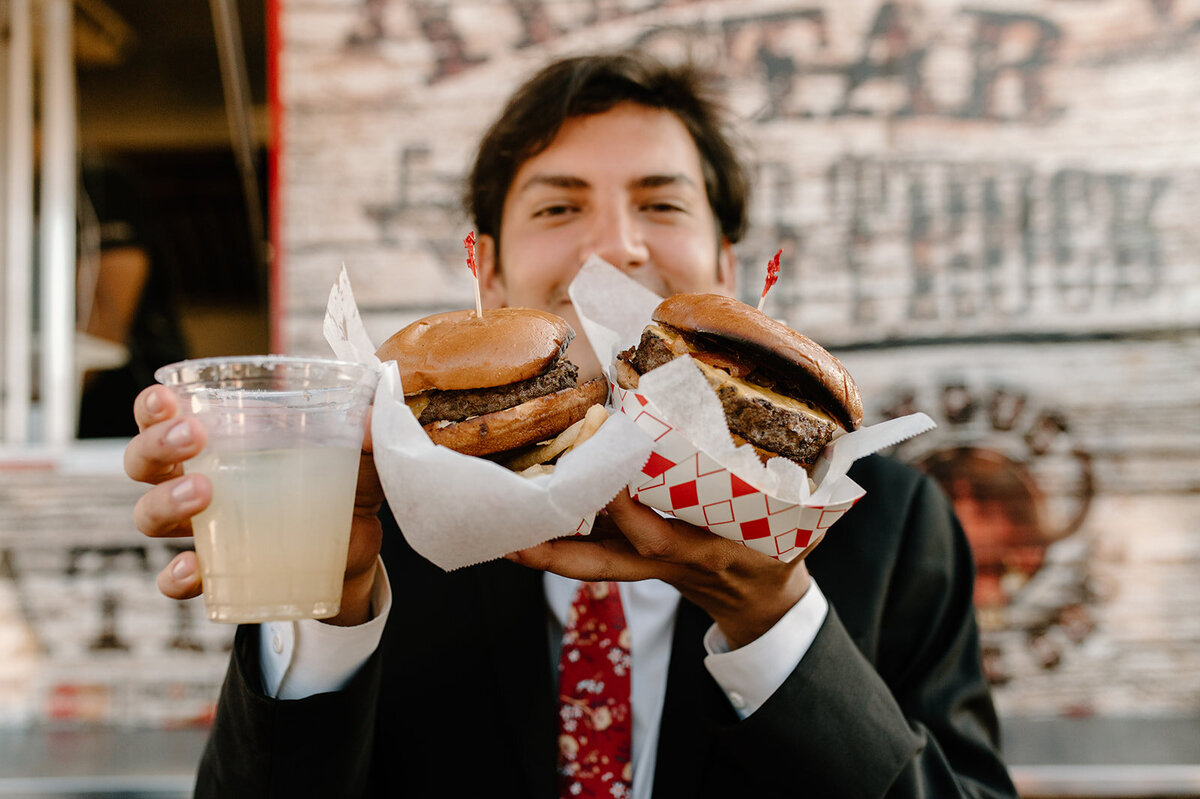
595 721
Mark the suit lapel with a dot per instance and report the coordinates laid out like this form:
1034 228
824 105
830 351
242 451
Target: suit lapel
694 709
514 607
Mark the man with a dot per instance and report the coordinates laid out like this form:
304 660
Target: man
747 678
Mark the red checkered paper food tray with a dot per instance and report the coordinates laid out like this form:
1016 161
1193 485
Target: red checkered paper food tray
684 481
695 471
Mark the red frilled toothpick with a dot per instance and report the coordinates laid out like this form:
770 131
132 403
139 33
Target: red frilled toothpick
772 277
469 243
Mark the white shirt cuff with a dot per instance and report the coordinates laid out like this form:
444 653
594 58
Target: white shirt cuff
307 657
750 674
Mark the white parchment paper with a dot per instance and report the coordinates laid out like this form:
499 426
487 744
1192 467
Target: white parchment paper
458 510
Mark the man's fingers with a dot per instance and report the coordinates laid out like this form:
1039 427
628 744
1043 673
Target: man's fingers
595 561
167 509
180 579
648 547
155 454
164 440
153 405
669 540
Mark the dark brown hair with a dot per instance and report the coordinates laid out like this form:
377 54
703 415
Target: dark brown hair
592 84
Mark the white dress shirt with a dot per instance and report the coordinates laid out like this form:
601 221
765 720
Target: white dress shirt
302 658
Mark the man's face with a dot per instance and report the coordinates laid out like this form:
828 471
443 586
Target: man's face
625 185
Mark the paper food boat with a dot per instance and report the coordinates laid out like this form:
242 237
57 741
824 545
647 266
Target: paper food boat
682 480
695 472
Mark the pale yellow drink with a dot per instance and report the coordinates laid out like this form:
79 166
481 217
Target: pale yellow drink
273 543
283 441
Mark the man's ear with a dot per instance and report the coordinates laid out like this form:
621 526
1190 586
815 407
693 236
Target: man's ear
726 268
487 262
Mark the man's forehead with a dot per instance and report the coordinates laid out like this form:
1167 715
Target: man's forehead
628 129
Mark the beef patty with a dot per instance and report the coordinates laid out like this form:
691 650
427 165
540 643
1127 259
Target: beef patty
789 433
455 406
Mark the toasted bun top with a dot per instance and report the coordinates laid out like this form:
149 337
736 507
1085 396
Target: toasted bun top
779 349
458 350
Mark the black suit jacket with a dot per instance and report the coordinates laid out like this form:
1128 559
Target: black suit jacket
458 701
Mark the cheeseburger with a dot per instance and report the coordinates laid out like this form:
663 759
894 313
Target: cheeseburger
781 391
493 384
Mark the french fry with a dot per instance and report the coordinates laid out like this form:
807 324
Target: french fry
544 452
536 469
595 416
573 436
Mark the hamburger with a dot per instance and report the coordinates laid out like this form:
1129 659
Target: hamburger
494 386
782 393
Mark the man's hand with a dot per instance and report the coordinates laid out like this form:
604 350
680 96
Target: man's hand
744 591
156 455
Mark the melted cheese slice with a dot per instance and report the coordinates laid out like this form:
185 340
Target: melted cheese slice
718 378
416 403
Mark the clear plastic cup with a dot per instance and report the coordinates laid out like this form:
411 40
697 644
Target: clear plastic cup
284 437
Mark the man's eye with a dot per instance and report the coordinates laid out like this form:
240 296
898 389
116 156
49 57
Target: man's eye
554 210
663 207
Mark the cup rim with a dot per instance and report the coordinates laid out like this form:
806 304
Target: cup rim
161 373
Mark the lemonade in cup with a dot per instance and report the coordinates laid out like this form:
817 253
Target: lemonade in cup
284 439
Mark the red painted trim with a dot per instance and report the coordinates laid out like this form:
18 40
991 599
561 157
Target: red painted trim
275 178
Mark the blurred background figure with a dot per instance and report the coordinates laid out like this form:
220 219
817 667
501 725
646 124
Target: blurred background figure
126 300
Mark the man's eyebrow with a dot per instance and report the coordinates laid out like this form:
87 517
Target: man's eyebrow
554 182
574 182
658 181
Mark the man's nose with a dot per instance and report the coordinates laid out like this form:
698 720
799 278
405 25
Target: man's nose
617 237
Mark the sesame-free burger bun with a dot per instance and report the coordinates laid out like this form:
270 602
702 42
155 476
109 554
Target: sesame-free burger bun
487 386
791 355
458 350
